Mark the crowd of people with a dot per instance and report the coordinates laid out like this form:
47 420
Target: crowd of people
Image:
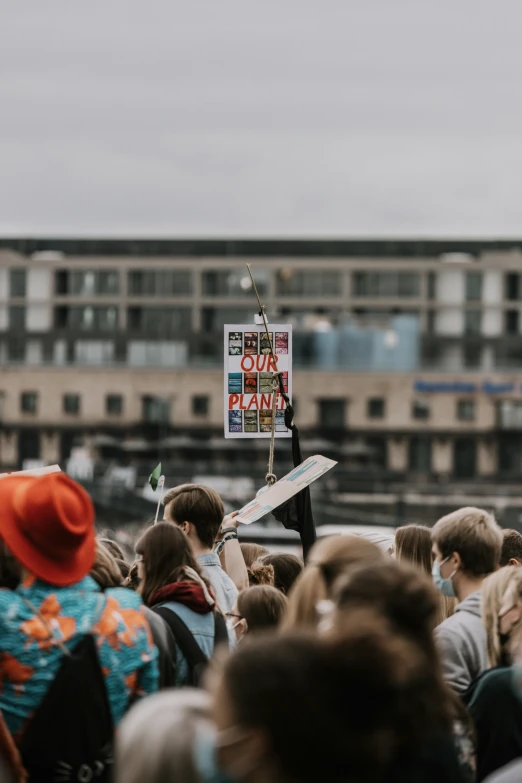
207 660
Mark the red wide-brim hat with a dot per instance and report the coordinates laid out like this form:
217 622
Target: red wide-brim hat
47 522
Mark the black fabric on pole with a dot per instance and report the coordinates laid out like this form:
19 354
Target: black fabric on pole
296 513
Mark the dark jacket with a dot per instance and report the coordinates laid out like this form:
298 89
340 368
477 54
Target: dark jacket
497 713
164 641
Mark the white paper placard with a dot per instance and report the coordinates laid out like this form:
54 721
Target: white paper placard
248 379
34 471
298 478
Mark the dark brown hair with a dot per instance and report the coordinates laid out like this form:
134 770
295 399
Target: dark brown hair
308 694
200 506
252 552
166 551
286 569
475 535
413 545
511 547
262 606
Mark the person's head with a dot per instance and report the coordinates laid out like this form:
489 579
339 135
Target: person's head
157 740
259 574
165 552
124 568
511 553
413 545
307 708
47 524
105 570
466 548
113 547
329 559
492 592
197 510
252 552
510 614
286 569
258 609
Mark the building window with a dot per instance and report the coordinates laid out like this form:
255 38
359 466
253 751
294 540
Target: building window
464 458
200 405
157 353
466 410
473 286
234 282
419 455
16 349
420 410
155 410
71 404
387 284
332 414
213 318
29 402
472 321
160 282
511 321
431 322
86 319
160 321
114 404
295 282
87 282
512 286
17 282
17 318
472 356
94 352
509 414
375 408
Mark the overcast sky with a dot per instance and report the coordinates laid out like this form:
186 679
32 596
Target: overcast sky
281 117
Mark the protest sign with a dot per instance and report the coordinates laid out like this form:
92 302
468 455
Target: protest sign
248 379
299 478
34 471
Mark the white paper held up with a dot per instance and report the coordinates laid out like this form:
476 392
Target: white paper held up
34 471
298 478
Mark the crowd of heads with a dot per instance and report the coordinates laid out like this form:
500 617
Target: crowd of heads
365 664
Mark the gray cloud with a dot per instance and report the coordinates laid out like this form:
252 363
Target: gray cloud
338 117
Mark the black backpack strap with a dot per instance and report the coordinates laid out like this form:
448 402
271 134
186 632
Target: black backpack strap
221 632
185 640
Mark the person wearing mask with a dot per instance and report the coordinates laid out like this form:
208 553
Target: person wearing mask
286 569
47 524
198 511
466 548
329 559
258 609
511 548
173 585
413 545
158 740
496 704
407 599
303 708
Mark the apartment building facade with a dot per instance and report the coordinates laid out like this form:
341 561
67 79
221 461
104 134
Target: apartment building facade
407 355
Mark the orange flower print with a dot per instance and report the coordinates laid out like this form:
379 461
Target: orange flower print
37 630
13 670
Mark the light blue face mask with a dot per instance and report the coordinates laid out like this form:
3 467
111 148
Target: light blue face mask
206 761
444 585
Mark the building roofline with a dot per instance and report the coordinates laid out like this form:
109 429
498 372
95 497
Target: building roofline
250 247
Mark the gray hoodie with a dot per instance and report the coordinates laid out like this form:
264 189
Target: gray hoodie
462 644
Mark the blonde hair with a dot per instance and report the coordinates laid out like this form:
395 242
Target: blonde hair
475 535
155 740
492 592
329 559
105 570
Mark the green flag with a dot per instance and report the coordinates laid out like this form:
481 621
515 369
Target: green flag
154 477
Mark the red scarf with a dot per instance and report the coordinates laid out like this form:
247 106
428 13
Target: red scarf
188 593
